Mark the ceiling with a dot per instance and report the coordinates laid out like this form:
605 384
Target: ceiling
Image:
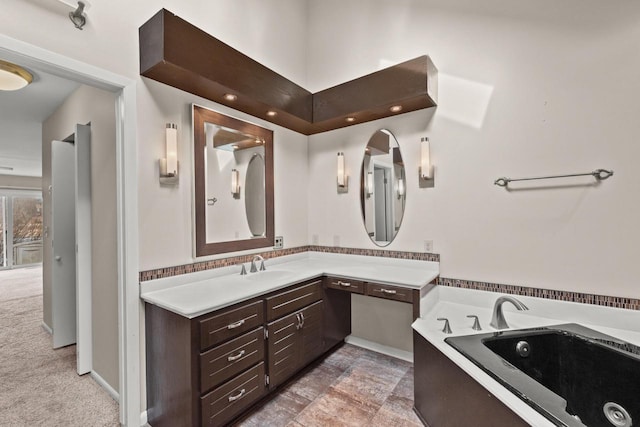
21 115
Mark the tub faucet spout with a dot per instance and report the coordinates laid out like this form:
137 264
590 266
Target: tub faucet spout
497 320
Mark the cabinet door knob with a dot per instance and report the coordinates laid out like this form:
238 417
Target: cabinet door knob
236 324
236 357
237 396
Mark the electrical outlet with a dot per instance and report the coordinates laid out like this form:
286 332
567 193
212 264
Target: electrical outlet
336 241
428 245
315 240
279 242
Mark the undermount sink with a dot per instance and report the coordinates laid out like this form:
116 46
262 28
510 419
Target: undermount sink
267 275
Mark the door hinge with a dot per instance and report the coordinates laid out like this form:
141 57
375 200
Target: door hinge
266 334
266 380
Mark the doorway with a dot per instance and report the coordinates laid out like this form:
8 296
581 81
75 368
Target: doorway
125 175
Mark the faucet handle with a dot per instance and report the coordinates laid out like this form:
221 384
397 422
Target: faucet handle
476 322
243 270
447 328
262 267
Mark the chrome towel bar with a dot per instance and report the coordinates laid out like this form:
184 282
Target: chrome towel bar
598 174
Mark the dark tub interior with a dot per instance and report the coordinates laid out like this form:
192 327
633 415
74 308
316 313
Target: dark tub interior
569 372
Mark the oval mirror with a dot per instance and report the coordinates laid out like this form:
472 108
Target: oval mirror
254 196
382 188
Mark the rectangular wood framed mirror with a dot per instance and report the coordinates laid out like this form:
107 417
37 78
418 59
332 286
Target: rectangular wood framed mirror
233 172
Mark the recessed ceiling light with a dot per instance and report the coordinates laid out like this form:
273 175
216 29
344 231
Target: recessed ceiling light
230 97
271 113
350 119
13 77
395 108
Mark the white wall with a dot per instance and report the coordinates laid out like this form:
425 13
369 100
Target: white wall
526 88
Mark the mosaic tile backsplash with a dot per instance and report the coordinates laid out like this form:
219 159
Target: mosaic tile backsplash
608 301
226 262
617 302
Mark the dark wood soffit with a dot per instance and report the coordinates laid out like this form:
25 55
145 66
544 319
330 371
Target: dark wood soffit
176 53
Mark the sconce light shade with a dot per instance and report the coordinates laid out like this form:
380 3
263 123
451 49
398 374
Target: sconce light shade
426 170
401 189
342 178
169 165
235 182
369 189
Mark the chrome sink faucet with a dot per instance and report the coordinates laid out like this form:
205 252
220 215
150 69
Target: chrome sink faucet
497 320
253 264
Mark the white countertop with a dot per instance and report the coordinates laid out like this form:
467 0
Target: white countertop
455 304
194 294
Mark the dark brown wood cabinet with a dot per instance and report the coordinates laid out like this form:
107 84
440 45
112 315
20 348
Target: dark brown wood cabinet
294 341
206 371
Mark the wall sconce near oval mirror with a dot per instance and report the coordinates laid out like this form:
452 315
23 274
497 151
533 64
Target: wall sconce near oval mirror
342 178
425 170
227 150
383 189
169 165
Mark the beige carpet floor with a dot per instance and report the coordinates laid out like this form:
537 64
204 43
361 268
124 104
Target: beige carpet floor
38 385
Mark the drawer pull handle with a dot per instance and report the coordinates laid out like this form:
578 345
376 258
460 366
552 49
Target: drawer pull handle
236 357
299 324
236 324
388 291
237 396
345 284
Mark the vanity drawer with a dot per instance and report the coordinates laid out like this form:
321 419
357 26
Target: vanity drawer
228 400
230 324
290 301
349 285
395 293
227 360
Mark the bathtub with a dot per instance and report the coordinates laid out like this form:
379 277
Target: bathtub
572 375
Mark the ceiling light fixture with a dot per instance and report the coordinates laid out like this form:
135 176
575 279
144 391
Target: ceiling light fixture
350 119
395 108
230 97
271 113
13 77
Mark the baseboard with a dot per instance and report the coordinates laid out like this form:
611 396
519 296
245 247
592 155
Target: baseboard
47 328
143 419
380 348
105 385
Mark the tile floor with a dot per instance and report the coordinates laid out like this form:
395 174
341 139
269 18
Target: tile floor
350 387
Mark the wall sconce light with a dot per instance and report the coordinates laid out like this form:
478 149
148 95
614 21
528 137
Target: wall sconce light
369 189
169 165
426 168
235 183
401 189
342 178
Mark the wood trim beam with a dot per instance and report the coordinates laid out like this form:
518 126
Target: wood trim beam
176 53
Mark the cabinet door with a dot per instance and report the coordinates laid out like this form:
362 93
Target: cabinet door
311 333
283 348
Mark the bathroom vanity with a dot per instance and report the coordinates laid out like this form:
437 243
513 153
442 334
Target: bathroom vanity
217 345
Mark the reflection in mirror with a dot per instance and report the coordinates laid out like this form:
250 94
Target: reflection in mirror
254 195
233 183
383 187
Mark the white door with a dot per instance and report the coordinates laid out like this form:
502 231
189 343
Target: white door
83 248
63 285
